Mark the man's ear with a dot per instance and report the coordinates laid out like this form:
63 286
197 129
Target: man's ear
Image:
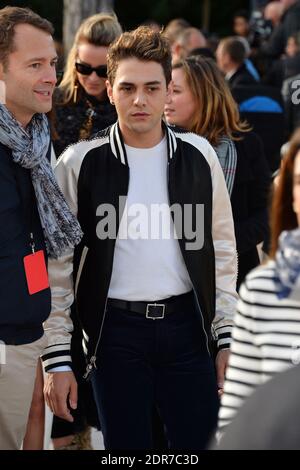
109 91
169 92
177 50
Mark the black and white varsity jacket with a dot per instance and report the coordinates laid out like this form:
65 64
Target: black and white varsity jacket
95 172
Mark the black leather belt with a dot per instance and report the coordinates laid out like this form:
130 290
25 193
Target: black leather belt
158 309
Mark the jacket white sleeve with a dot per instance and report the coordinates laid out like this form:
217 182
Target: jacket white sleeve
58 326
225 255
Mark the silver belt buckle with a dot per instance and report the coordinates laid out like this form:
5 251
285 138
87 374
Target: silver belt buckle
153 308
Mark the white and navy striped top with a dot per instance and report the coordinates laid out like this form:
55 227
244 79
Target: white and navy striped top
266 338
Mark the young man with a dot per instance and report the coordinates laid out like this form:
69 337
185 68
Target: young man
33 213
145 284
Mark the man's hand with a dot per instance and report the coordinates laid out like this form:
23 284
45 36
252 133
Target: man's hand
221 365
59 388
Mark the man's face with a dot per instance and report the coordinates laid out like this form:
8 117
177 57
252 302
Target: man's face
182 106
30 74
241 26
292 47
139 93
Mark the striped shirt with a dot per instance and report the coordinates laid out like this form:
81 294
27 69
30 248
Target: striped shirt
266 338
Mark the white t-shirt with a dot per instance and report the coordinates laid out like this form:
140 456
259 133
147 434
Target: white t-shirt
148 264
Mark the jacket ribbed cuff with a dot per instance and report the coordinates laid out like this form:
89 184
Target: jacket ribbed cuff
57 355
224 337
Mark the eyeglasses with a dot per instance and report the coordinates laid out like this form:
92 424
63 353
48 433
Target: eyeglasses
101 70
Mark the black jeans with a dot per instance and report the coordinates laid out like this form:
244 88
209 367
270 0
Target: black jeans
144 363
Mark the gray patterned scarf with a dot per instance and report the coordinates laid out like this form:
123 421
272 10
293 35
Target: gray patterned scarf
227 156
287 263
29 148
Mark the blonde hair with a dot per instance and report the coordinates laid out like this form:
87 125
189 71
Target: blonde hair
99 30
216 112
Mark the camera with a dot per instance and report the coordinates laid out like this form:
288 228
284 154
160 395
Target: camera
260 29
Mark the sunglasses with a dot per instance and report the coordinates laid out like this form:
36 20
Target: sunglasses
83 69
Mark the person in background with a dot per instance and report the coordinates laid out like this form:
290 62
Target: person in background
273 12
275 46
270 419
248 62
81 104
266 335
241 23
231 55
173 29
201 102
188 40
286 67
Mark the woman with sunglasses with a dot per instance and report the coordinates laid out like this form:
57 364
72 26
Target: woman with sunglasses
82 109
82 106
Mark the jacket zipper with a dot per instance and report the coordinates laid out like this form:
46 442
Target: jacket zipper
80 268
92 362
202 319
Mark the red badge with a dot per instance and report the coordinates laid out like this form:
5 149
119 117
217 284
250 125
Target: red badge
36 272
